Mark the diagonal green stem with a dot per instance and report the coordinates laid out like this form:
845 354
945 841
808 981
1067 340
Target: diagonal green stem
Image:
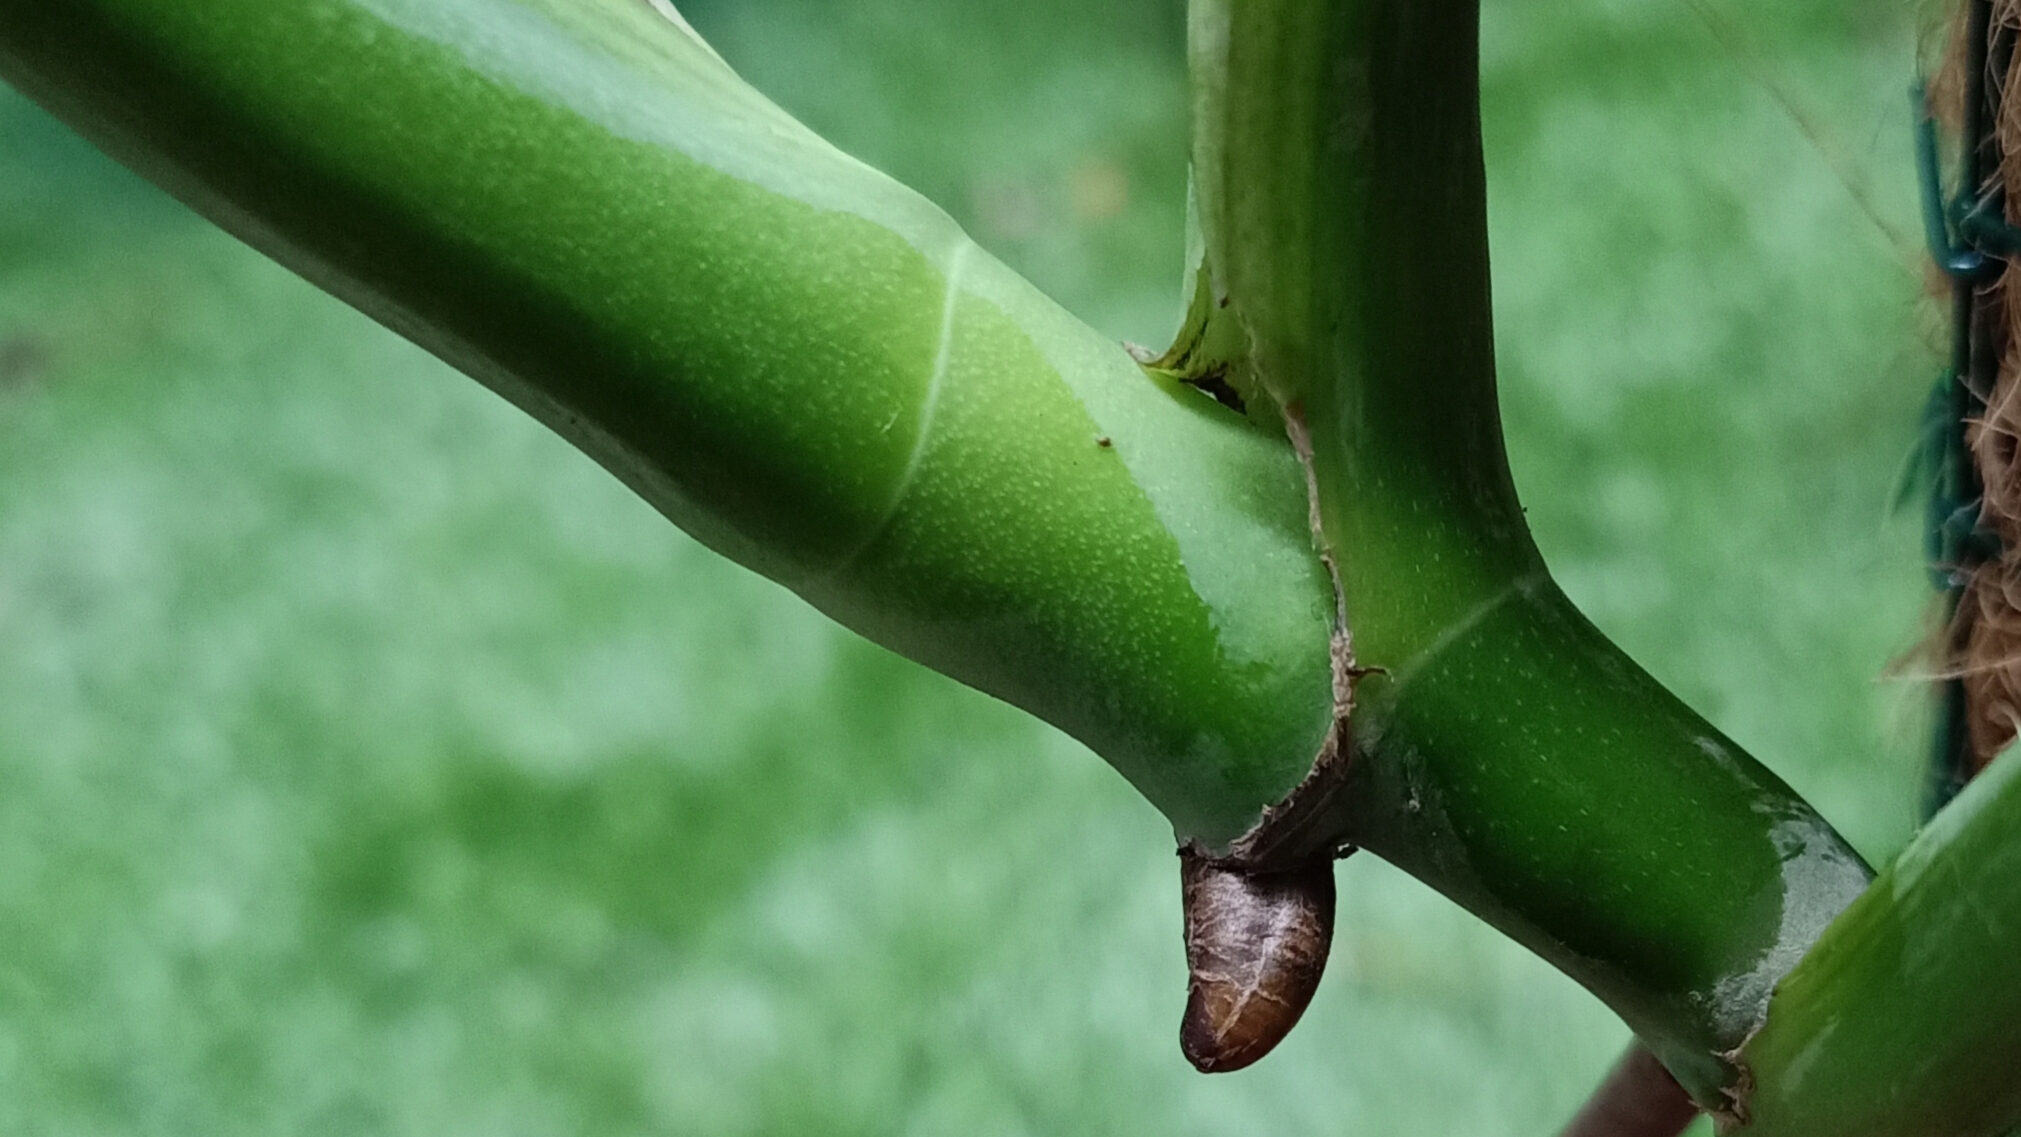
1902 1021
801 362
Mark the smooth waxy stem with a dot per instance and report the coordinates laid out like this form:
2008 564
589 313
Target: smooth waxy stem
802 363
1902 1022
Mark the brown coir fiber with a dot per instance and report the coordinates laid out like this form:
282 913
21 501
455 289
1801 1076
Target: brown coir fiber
1982 645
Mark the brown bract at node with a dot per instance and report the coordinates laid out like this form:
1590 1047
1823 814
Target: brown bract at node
1256 945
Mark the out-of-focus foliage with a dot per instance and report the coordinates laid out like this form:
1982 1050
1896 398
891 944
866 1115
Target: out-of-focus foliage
372 763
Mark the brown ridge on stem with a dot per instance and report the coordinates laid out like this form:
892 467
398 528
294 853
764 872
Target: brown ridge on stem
1259 918
1293 829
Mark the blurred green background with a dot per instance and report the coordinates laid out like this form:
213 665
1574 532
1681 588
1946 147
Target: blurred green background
371 763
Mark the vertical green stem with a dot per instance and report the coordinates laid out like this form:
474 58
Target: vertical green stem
1501 748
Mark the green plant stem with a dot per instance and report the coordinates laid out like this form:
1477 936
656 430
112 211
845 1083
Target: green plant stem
813 371
1504 751
800 362
1902 1022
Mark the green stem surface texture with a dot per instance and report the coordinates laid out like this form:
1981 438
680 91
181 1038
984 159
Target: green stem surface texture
797 360
812 370
1905 1020
1503 750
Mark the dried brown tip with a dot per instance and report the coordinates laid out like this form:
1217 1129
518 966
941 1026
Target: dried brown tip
1256 946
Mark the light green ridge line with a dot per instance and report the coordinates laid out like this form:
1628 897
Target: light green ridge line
929 403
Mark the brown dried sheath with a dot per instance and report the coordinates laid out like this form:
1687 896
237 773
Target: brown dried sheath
1256 945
